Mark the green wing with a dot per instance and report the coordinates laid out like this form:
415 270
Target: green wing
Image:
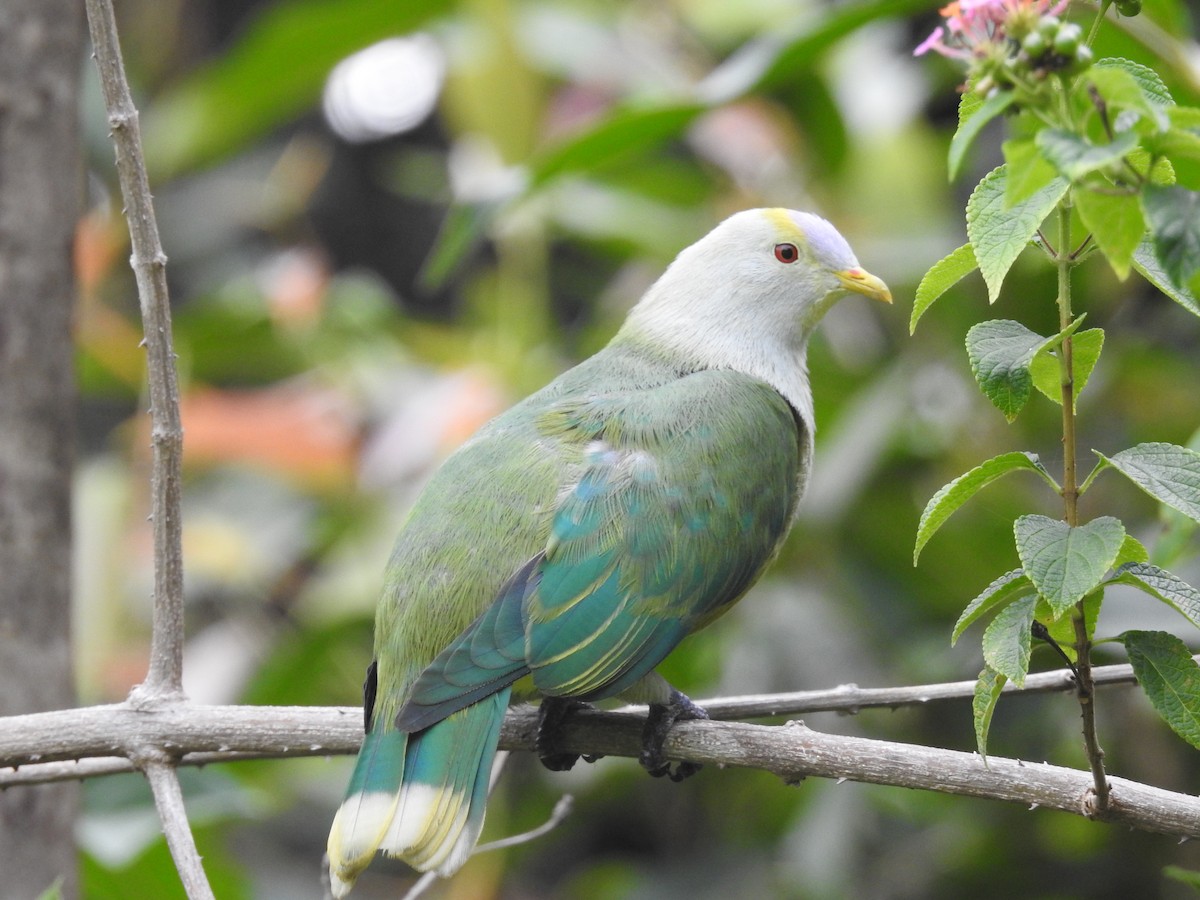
685 493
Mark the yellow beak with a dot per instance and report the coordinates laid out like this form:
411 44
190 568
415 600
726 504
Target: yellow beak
862 282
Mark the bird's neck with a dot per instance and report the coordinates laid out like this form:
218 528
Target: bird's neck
776 359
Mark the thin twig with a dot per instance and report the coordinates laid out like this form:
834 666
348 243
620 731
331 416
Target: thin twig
168 798
164 680
561 810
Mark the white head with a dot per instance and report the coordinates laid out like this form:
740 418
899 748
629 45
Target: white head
748 294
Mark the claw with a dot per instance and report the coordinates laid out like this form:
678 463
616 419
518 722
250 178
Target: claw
553 712
658 724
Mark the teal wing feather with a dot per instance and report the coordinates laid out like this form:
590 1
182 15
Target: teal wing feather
684 494
684 500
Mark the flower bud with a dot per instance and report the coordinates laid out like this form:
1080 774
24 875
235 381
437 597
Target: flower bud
1129 8
1067 38
1083 58
1035 44
1048 27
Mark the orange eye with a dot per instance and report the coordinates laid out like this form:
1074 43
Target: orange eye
786 253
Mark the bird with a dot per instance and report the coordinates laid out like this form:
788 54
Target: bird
565 549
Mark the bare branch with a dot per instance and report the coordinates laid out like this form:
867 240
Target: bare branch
168 798
792 752
164 679
561 810
850 698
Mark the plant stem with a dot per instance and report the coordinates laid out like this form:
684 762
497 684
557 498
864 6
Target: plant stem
1085 687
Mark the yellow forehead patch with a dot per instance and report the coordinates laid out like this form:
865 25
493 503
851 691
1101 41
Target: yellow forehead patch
785 224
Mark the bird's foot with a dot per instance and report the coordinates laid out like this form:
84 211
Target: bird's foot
658 725
553 712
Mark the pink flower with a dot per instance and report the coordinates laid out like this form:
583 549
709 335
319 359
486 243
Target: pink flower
974 27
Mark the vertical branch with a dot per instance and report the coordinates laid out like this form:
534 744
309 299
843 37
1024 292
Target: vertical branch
1085 687
164 679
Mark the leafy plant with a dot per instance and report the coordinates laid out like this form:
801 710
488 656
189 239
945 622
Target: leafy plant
1092 151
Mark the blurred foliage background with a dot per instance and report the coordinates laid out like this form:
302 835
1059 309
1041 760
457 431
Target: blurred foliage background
387 221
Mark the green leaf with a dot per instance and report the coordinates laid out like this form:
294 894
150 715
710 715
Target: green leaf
1116 224
1163 585
773 64
624 133
1132 551
969 128
272 74
463 228
1129 86
1170 677
1146 262
999 233
1184 876
1178 143
1028 171
1074 157
1008 587
987 691
1167 472
1085 351
1064 563
943 275
1007 640
1061 627
1173 214
1001 352
945 502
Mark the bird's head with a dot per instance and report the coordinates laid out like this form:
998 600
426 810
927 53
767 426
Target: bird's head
748 294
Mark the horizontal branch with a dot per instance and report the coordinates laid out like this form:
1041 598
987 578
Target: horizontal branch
97 745
196 734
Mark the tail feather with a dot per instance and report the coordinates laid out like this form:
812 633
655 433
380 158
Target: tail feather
419 797
445 788
363 819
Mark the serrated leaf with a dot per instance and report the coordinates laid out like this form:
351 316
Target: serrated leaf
971 124
943 275
1167 472
945 502
1075 157
1000 352
999 233
1164 668
1008 587
1064 563
1173 214
1178 143
1062 627
1028 171
1130 90
1132 551
1007 640
1163 585
1085 351
1146 262
1116 224
988 689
